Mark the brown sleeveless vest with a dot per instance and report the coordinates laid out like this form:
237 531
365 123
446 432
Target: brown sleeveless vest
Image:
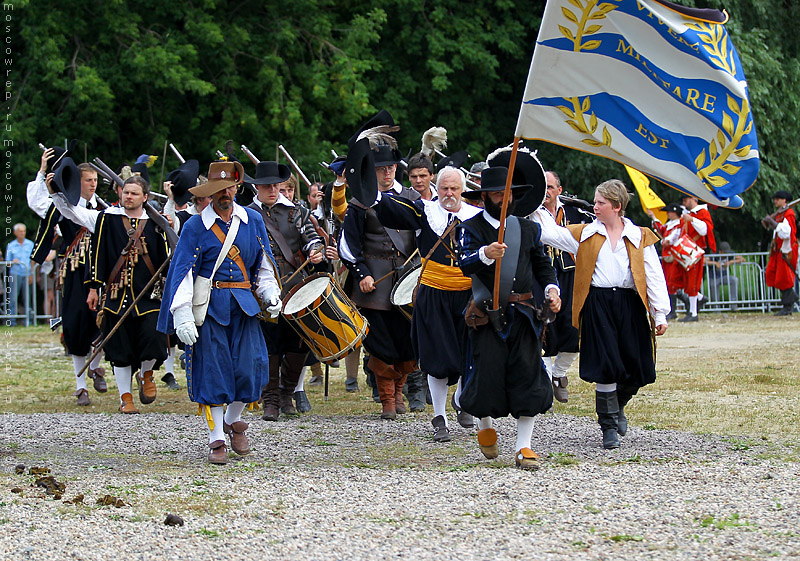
586 260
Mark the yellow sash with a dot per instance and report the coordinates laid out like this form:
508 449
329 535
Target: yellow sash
444 277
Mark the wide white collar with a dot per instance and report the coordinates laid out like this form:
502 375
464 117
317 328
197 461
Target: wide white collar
629 230
438 216
209 215
118 210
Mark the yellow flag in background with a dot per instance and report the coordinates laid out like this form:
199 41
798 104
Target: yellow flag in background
649 200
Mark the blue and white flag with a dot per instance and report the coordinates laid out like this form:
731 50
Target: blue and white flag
646 83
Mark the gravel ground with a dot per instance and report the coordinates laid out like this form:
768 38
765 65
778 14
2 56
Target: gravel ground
360 488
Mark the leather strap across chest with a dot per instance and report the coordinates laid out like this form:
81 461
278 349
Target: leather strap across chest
233 254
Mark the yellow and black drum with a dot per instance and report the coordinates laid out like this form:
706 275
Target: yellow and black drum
325 318
404 292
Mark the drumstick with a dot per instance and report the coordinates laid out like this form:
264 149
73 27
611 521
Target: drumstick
390 273
300 268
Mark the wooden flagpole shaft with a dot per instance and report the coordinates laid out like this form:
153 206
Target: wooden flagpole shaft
501 231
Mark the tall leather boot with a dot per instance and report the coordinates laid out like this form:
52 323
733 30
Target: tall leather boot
270 394
623 398
404 370
683 297
673 304
415 386
607 408
385 377
290 374
788 298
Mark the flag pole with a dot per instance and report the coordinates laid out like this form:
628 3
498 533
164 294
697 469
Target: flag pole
501 231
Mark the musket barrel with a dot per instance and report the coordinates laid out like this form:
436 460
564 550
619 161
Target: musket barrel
294 165
181 159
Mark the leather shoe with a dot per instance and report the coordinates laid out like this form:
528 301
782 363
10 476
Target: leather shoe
440 431
239 441
351 385
98 377
688 318
287 407
127 406
464 419
527 459
218 453
147 387
487 440
170 381
315 381
301 402
270 413
83 397
560 389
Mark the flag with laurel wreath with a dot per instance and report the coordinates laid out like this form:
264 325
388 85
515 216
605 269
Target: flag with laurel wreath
647 83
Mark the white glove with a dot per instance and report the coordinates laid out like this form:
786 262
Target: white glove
272 301
185 329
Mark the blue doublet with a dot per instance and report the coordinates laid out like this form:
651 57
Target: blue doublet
229 361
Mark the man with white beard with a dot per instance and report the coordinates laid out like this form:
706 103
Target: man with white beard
443 290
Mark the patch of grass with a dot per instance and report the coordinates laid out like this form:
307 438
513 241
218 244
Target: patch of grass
625 538
592 509
732 521
320 442
739 444
563 459
205 532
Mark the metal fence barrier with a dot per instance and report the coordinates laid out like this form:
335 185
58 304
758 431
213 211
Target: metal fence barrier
38 301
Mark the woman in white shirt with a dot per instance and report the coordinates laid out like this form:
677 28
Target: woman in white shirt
620 303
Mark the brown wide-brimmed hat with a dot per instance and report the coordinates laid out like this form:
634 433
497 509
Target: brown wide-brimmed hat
221 175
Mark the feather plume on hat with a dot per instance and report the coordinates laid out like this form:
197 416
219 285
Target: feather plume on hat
146 159
125 173
380 135
503 149
435 138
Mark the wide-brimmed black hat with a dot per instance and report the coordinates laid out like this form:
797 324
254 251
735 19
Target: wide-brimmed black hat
382 118
781 194
58 155
67 180
385 155
453 160
528 170
270 173
493 179
360 173
673 207
183 179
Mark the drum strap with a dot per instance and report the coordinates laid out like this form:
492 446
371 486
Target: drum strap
233 253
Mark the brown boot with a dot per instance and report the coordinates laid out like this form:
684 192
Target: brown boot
287 404
487 440
239 441
399 406
147 387
127 406
218 453
385 377
270 394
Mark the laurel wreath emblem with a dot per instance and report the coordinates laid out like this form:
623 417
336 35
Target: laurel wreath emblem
719 150
588 13
577 120
717 45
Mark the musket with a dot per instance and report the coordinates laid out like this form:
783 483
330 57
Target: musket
181 159
152 213
221 156
249 154
769 221
122 318
294 165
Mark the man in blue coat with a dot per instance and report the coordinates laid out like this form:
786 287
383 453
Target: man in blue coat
226 356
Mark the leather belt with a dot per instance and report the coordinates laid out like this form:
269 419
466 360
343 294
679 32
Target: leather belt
224 284
514 297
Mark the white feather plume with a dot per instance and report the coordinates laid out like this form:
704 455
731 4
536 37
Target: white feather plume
380 135
435 138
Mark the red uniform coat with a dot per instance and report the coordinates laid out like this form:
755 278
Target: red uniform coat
781 267
691 280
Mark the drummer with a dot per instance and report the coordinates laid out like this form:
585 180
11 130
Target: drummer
443 289
374 256
293 240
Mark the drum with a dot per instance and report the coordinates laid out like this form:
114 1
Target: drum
404 292
324 317
686 252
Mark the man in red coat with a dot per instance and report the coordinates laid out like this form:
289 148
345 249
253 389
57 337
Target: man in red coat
697 224
780 271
